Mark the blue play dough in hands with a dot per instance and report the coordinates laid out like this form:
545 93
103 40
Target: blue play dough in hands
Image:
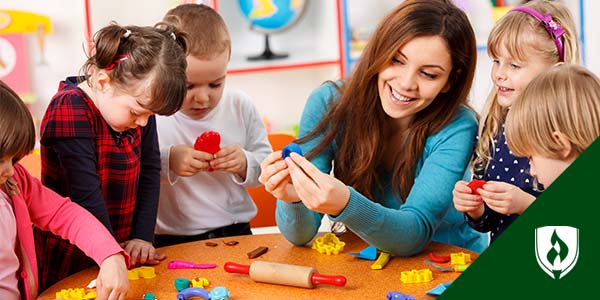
292 147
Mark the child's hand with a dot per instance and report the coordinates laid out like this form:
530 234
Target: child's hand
231 159
142 252
112 282
275 176
505 198
185 161
466 201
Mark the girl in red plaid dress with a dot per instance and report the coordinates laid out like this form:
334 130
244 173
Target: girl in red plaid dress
99 143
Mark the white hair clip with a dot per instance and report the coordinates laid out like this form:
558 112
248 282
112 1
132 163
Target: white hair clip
127 33
173 36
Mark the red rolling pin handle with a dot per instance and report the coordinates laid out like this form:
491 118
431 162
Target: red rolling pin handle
237 268
317 278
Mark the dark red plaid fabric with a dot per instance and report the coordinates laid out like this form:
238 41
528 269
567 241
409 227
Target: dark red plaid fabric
72 114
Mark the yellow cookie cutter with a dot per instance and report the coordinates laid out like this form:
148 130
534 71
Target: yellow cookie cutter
75 294
416 276
460 258
328 244
141 272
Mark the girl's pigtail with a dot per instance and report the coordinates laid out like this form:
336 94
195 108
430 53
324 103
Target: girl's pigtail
107 43
173 32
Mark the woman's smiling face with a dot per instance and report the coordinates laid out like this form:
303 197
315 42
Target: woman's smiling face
417 74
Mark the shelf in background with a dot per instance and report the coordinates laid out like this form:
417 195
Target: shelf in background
281 66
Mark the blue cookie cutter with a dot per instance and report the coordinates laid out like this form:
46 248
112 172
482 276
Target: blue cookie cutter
399 296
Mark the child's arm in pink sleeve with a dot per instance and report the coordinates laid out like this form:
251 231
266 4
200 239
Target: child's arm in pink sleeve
49 211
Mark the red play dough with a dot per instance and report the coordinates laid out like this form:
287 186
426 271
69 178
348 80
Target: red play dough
476 184
209 142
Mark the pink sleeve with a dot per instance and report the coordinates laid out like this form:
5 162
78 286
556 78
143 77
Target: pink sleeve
52 212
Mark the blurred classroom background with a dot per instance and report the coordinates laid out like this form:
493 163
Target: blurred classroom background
42 42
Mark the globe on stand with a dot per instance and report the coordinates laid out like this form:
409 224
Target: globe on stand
271 16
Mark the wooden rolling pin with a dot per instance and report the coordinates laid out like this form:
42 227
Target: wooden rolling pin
284 274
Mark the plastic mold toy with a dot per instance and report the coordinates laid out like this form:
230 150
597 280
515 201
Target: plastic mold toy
439 289
460 258
75 294
141 272
149 296
192 292
454 268
181 284
200 282
383 259
328 244
369 253
416 276
218 293
439 258
399 296
182 264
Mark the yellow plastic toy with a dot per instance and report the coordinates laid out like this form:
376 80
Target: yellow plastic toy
460 258
200 282
381 261
141 272
416 276
460 268
75 294
328 244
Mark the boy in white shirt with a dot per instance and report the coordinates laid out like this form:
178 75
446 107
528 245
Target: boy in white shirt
204 195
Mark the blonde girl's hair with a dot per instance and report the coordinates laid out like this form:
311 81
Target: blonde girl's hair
565 99
523 36
133 53
17 132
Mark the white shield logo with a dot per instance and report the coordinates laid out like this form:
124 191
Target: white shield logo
556 249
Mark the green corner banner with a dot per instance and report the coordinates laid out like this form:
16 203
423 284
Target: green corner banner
552 251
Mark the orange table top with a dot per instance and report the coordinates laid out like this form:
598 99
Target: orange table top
362 281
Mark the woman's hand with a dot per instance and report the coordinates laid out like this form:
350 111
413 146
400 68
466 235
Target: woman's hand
318 191
275 176
112 282
142 252
231 159
185 161
505 198
466 201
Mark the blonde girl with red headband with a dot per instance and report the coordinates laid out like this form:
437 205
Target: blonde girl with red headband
526 41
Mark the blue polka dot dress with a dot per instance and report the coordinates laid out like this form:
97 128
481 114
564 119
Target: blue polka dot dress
504 167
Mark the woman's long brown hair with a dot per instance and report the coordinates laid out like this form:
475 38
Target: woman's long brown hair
358 125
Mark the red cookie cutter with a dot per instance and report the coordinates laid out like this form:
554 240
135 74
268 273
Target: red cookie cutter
439 258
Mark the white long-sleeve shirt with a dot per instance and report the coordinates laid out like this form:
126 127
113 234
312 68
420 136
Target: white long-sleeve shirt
208 200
